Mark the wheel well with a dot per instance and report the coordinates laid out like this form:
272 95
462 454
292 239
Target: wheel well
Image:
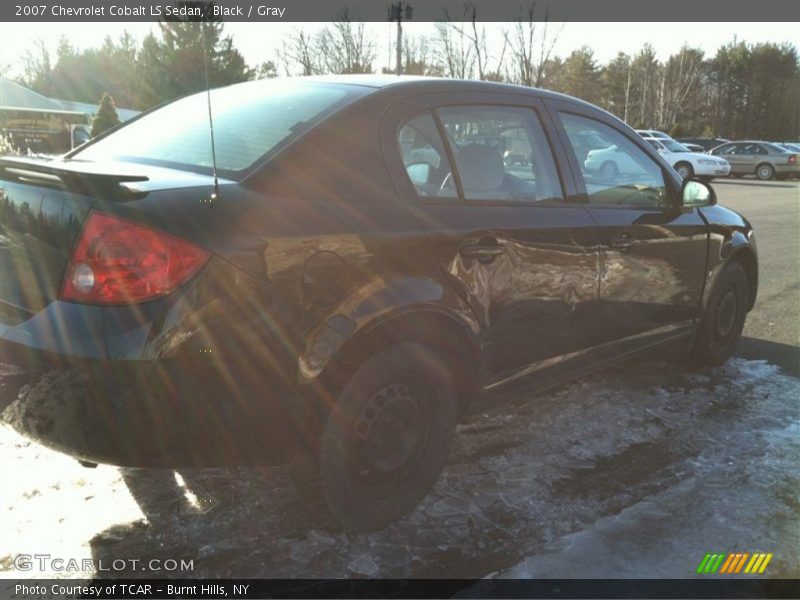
440 332
683 162
747 259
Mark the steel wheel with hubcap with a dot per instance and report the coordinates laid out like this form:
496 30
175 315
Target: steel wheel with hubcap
722 324
765 171
386 439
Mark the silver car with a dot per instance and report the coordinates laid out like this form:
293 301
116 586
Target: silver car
765 160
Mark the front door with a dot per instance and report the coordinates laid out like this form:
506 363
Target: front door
652 249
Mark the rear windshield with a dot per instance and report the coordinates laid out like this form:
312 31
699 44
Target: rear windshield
250 120
775 148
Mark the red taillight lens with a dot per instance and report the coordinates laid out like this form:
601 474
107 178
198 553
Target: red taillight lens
793 159
120 262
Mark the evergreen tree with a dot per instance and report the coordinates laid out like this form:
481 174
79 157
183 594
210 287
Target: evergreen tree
106 116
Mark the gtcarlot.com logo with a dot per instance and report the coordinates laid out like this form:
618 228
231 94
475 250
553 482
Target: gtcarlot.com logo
46 562
734 563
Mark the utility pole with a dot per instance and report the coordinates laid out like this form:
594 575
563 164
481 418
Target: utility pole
398 12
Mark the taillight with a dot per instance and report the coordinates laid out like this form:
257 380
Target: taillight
793 159
120 262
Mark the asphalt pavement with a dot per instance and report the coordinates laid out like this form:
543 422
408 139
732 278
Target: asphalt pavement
772 329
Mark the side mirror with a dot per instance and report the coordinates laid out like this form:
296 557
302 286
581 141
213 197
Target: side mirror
697 193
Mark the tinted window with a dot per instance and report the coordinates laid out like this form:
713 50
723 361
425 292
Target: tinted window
726 149
425 158
621 173
250 120
501 153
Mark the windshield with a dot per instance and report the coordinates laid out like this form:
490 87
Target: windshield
250 121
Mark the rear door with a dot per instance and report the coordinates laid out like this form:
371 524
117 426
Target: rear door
652 250
748 156
480 173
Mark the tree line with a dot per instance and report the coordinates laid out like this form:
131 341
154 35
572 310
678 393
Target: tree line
741 91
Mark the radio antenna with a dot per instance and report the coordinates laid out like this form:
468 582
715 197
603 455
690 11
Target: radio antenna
215 193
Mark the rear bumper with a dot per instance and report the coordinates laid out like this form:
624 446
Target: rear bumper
787 169
157 413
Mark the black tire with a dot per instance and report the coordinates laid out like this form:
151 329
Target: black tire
684 169
721 325
765 171
385 441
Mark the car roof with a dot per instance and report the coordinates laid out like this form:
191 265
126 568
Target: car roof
419 84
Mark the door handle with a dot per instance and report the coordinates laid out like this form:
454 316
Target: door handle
484 253
624 242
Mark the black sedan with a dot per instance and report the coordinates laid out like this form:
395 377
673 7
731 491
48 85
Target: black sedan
343 272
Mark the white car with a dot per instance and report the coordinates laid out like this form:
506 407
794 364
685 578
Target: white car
653 133
688 163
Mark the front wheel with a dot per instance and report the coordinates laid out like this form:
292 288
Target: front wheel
685 170
723 321
386 439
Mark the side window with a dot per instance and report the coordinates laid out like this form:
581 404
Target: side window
617 172
726 149
425 158
501 154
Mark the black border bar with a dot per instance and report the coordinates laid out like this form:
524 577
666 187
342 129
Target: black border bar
423 10
733 587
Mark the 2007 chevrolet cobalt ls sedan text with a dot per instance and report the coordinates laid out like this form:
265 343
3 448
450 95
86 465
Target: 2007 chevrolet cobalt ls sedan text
353 267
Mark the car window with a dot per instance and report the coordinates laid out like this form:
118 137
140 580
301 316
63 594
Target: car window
425 158
621 173
501 153
249 120
726 149
774 148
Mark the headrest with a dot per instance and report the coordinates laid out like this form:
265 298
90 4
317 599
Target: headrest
480 167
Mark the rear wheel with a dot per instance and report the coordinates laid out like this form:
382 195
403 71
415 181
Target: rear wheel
386 439
765 171
721 325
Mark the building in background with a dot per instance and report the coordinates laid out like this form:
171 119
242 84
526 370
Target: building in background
45 125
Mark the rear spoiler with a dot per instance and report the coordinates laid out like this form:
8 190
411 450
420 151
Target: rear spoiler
77 177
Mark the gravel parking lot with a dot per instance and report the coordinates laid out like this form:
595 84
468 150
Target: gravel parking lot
635 472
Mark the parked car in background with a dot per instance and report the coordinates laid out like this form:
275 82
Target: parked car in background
706 143
291 299
765 160
694 147
653 133
791 147
688 163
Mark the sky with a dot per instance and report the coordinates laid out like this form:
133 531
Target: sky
258 41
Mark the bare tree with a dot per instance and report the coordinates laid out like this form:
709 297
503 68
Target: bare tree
531 44
345 47
454 50
38 68
300 48
476 35
417 56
